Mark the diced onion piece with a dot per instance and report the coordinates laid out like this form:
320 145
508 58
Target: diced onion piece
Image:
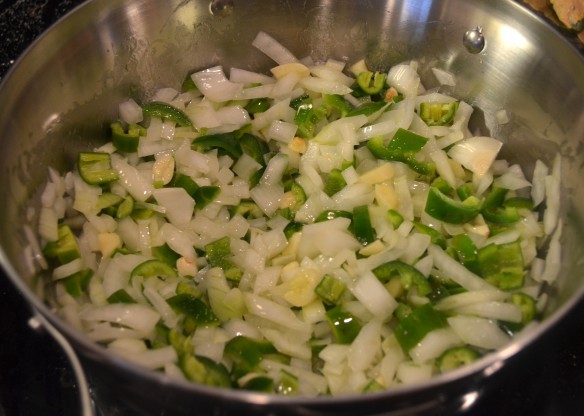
274 312
272 48
178 203
444 77
214 84
373 295
434 344
479 332
139 317
131 112
477 154
405 79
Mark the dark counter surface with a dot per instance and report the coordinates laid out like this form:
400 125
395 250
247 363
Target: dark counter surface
36 379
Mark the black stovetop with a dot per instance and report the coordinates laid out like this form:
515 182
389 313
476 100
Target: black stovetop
35 377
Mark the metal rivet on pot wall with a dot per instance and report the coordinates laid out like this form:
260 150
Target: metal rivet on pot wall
474 40
221 8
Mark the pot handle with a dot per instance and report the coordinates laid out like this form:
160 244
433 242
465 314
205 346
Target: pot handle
39 321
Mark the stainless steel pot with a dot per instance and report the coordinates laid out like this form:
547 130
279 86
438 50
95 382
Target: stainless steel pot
60 96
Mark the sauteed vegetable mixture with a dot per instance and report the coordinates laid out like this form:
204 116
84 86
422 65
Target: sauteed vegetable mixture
320 230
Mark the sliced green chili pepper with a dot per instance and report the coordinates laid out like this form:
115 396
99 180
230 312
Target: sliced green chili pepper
120 296
189 289
257 105
456 357
446 209
186 182
367 109
225 143
466 252
288 384
65 249
160 109
330 289
297 102
204 195
261 384
306 118
494 198
291 228
219 255
108 200
152 268
299 196
527 305
362 228
506 215
465 191
247 353
76 284
416 325
373 386
125 208
520 203
247 209
165 254
334 182
403 147
194 308
437 114
204 370
254 147
502 265
344 325
126 140
95 168
442 185
394 218
436 237
408 274
371 83
336 103
188 84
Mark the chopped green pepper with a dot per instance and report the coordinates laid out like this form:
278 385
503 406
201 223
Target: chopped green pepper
371 83
247 353
165 254
344 325
219 255
126 140
288 384
76 284
502 265
194 308
436 237
257 105
65 249
204 195
527 305
367 109
125 208
446 209
334 182
330 289
336 103
164 110
225 143
95 168
416 325
362 228
394 218
456 357
403 147
408 274
152 268
261 384
120 296
437 114
466 252
254 147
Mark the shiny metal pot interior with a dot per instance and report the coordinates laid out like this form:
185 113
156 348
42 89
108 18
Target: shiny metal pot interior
62 94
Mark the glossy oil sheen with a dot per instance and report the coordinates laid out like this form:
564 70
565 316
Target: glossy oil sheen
61 95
